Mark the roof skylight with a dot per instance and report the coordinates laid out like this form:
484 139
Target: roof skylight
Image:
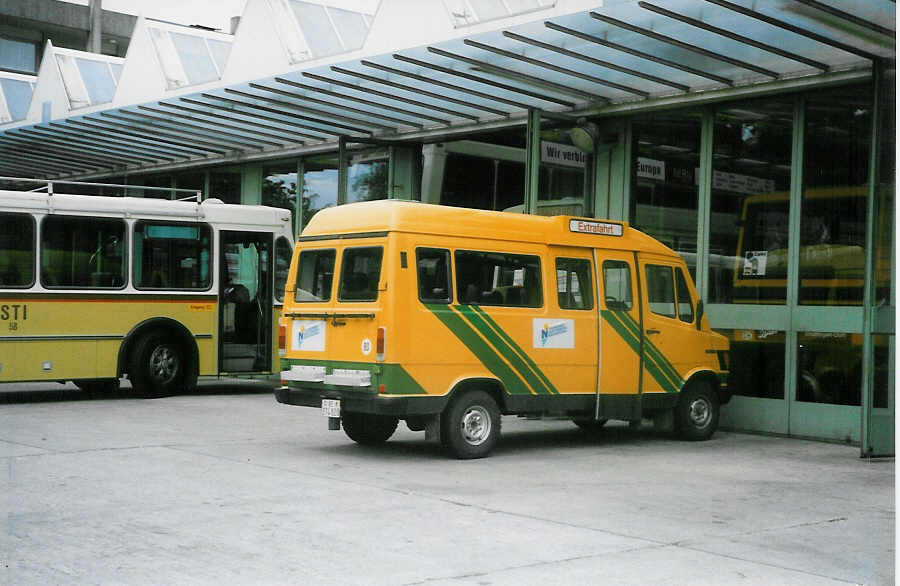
15 96
309 30
189 59
88 81
469 12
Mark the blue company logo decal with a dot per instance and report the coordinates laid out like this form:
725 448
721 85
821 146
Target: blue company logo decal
305 333
549 331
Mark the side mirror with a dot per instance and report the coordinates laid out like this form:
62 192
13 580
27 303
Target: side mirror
699 314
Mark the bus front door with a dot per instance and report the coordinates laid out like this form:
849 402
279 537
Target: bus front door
245 308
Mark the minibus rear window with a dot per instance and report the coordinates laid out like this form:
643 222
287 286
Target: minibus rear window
315 272
360 271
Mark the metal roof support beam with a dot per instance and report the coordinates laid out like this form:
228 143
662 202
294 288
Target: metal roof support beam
234 104
530 79
64 157
337 95
733 36
636 53
328 117
147 146
23 172
327 123
556 68
217 121
851 18
288 94
444 85
587 59
481 80
401 99
415 90
38 140
104 128
197 130
27 161
132 123
76 137
793 28
682 45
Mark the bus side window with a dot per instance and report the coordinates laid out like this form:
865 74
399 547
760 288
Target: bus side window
573 283
617 285
283 253
496 278
17 248
685 304
82 252
660 290
433 274
171 256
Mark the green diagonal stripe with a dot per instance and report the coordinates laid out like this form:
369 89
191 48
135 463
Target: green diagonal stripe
654 353
619 322
482 350
512 354
516 348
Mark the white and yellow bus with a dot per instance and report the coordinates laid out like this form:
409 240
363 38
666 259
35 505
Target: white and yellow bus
96 288
449 317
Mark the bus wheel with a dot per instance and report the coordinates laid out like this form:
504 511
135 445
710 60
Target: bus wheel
368 430
697 412
157 366
470 427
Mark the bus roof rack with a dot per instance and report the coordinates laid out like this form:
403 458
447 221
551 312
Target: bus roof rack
48 185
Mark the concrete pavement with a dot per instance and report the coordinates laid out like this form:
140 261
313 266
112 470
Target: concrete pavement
222 487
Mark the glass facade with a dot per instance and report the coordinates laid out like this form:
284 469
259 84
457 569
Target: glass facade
750 202
279 188
665 158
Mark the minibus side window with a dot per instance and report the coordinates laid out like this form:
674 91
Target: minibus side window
660 290
496 278
16 250
617 285
360 271
315 272
433 272
82 252
573 283
283 253
170 255
685 305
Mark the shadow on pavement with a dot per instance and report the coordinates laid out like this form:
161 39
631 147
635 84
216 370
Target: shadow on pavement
50 392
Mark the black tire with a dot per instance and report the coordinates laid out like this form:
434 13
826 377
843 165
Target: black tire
369 430
697 412
157 366
590 425
98 387
470 425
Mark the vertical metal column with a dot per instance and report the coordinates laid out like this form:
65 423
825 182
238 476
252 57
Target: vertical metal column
532 161
342 170
868 348
704 204
793 269
298 206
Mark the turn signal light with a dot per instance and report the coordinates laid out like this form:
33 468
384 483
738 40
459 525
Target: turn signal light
379 345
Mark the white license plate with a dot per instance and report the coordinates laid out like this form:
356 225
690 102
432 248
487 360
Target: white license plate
331 407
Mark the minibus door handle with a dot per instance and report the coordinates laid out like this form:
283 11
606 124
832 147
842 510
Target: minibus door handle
651 332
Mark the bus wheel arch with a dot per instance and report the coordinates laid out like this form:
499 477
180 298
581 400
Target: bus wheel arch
697 410
176 337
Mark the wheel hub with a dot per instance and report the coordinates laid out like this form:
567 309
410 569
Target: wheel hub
476 425
163 364
700 412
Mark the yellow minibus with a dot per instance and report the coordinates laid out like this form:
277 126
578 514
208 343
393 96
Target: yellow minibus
448 318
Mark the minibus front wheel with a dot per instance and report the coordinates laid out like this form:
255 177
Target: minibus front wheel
470 426
697 411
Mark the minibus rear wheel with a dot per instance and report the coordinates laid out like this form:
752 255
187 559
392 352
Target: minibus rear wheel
697 412
470 426
369 430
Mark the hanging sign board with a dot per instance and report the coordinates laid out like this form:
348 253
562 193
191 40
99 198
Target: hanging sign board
555 153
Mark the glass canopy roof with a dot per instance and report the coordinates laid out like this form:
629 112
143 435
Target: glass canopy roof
623 55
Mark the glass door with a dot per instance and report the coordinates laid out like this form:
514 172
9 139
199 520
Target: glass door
245 309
